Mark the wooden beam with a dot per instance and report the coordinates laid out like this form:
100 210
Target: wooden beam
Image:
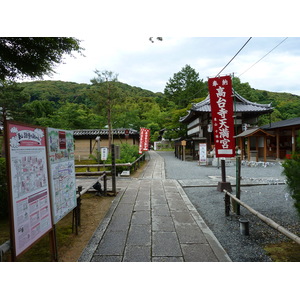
277 144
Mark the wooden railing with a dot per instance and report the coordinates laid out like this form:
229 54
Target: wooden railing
229 198
134 165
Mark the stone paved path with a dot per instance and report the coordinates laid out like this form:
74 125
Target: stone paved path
152 219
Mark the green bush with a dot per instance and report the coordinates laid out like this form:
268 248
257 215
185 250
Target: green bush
3 189
292 173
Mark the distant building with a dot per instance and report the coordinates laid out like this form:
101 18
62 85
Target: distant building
199 123
86 143
285 134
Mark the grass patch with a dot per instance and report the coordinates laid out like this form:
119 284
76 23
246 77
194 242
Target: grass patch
284 252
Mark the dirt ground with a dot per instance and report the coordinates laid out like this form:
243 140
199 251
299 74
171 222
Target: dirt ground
93 210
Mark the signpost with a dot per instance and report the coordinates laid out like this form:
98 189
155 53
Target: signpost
202 154
221 101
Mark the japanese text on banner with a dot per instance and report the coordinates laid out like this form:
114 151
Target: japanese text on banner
220 90
144 140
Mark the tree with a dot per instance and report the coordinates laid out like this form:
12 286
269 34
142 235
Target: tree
108 94
33 56
184 87
11 100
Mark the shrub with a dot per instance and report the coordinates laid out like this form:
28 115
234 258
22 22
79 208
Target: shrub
292 173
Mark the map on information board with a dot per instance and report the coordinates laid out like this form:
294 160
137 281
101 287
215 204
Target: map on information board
30 197
62 172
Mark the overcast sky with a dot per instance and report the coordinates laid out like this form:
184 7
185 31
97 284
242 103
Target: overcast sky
141 63
115 35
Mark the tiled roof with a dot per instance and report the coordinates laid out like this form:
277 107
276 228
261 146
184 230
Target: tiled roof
241 105
95 132
252 131
284 123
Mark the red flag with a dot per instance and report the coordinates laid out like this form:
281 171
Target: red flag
144 140
221 101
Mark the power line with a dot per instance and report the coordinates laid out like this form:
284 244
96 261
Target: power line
234 57
263 57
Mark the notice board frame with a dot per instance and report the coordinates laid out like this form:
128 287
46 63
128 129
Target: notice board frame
60 145
28 185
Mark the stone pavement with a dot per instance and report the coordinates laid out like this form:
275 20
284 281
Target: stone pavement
152 219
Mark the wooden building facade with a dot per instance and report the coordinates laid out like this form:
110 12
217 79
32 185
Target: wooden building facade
86 143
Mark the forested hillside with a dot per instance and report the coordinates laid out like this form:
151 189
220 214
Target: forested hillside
70 105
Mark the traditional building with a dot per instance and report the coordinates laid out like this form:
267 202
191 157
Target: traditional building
86 140
199 123
285 134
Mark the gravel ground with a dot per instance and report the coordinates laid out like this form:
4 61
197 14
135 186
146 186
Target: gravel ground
271 200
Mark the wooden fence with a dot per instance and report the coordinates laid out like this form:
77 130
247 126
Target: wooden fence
129 166
229 198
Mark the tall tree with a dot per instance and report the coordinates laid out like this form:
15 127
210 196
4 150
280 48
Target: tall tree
11 101
33 56
108 94
184 87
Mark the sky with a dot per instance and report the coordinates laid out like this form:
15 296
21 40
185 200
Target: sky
139 62
204 35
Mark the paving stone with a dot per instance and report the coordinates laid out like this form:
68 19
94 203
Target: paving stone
124 208
113 243
157 200
165 244
167 259
139 235
119 223
141 217
198 253
160 210
177 205
162 223
107 258
135 253
142 206
189 233
180 217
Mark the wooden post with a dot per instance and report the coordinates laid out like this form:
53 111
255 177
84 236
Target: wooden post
265 148
236 206
293 140
277 144
248 148
113 169
227 204
256 147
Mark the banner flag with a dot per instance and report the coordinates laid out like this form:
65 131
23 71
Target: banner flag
221 101
144 140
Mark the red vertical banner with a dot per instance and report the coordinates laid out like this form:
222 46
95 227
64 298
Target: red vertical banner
221 101
144 140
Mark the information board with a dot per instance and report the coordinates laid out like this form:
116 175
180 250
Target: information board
104 153
62 172
30 197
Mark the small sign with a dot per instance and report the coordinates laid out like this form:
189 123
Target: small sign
202 153
104 153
